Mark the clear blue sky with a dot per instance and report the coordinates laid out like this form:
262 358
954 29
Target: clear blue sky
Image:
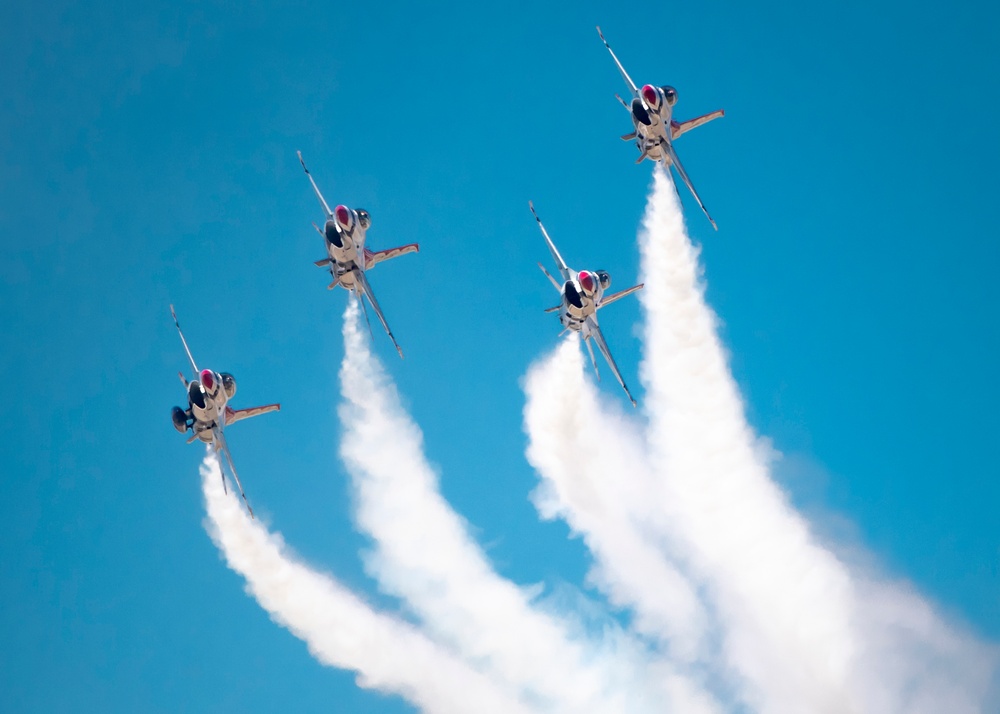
147 156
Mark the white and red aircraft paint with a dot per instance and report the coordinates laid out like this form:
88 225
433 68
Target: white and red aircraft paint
208 412
655 128
582 294
348 258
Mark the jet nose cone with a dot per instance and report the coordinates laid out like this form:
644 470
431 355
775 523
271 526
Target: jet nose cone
650 94
586 281
343 215
208 380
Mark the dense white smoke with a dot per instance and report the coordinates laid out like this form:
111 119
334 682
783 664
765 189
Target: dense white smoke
796 629
424 554
339 628
734 604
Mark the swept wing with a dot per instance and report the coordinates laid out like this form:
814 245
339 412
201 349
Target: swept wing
220 444
608 299
677 128
378 256
329 213
563 268
235 415
598 337
669 150
186 348
628 80
366 288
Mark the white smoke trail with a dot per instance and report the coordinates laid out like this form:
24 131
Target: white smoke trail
340 629
595 475
424 555
801 630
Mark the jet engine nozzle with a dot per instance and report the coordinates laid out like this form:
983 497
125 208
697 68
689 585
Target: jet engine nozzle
179 417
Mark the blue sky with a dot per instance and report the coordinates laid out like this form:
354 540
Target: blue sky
148 157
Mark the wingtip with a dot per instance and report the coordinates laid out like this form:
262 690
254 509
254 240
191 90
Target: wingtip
302 161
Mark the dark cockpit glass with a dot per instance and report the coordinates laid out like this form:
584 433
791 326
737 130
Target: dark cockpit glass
228 384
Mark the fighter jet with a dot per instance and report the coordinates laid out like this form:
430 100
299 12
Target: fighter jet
348 258
583 294
208 411
655 129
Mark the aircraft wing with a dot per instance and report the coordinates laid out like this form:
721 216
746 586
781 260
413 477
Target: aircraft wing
669 150
221 445
619 295
628 80
598 337
186 348
319 195
563 268
678 128
235 415
374 257
361 279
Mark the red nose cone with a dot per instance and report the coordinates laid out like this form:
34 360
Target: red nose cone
343 215
587 281
650 94
208 379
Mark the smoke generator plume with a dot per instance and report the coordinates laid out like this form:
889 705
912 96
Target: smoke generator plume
338 627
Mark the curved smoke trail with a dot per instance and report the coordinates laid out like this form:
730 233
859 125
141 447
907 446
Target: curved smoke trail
424 554
781 624
338 627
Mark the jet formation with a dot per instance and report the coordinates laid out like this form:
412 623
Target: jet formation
581 293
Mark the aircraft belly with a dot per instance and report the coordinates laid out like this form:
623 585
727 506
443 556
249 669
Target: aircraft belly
347 254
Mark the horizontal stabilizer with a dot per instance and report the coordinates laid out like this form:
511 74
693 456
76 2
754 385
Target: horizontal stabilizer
553 309
628 137
322 263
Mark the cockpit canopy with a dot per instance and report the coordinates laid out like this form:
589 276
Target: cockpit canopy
669 94
228 384
364 219
604 279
